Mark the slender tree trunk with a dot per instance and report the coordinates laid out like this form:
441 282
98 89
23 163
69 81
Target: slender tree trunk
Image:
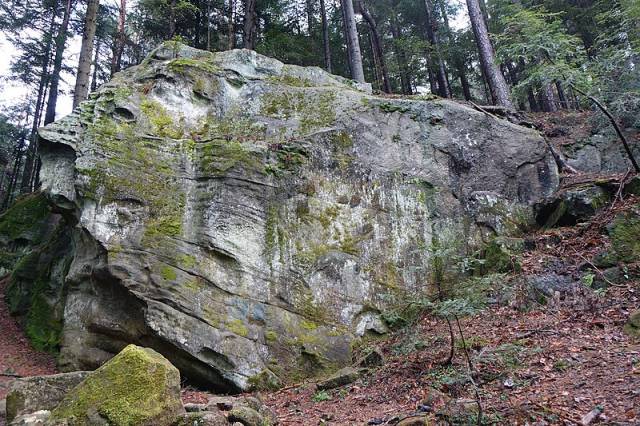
310 12
172 18
497 84
464 82
533 102
377 48
325 37
561 96
116 60
353 44
96 61
61 40
84 64
231 28
443 89
547 98
250 25
209 25
346 38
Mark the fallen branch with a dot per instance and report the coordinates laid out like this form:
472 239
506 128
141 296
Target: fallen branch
17 376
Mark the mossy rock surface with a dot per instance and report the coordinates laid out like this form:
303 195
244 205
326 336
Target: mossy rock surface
624 232
136 387
632 327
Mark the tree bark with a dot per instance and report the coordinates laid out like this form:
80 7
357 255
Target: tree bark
353 44
116 59
96 61
432 25
562 96
231 28
310 17
325 37
464 82
497 84
61 40
84 63
377 48
250 25
547 98
172 18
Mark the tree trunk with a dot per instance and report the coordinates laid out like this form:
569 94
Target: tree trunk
547 98
96 61
353 44
84 63
325 37
250 25
533 102
116 60
561 96
310 17
464 82
443 89
231 28
377 48
61 40
172 18
497 84
209 25
346 38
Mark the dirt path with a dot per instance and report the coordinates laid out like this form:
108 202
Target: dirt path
17 356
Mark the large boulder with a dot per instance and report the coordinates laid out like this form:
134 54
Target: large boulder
250 219
136 387
30 394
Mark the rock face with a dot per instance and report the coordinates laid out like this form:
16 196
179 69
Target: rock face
250 219
136 387
31 394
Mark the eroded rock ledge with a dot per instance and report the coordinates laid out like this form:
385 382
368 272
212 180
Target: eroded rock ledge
249 219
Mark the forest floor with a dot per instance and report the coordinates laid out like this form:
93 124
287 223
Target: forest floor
545 364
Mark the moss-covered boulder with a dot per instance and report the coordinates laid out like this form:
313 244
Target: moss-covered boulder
137 387
624 232
251 220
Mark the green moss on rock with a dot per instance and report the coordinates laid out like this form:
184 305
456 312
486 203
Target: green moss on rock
25 218
624 232
136 387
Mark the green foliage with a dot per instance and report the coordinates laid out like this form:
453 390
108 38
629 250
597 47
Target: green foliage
538 38
321 396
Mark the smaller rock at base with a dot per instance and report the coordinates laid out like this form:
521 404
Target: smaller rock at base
340 378
203 418
195 408
30 394
37 418
247 416
418 420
